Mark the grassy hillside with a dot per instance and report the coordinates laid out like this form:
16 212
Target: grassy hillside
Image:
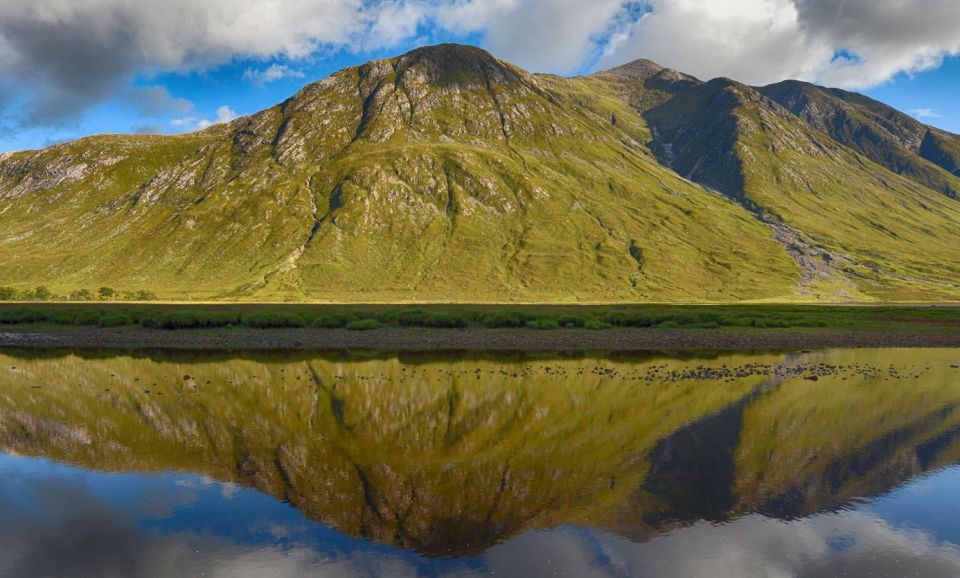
858 231
448 175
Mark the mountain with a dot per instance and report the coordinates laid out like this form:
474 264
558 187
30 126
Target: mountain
448 175
877 131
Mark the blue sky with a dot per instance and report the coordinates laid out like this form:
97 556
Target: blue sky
94 66
933 97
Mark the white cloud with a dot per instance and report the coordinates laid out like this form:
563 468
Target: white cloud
762 41
69 56
395 22
753 41
272 73
888 36
853 544
544 35
156 101
925 113
224 115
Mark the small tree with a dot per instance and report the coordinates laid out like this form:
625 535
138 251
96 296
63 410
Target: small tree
144 295
41 293
107 293
81 295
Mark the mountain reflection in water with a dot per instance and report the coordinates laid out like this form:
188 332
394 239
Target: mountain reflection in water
746 464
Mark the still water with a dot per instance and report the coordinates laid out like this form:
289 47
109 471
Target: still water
833 463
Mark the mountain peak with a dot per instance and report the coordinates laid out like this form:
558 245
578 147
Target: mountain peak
449 51
642 69
457 63
651 75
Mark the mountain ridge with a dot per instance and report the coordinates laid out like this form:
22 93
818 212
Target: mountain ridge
448 174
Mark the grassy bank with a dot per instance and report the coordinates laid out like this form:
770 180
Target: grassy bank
546 318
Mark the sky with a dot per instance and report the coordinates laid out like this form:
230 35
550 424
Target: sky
70 68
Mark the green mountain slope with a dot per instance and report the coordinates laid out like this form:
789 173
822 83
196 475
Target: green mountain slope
857 229
881 133
448 175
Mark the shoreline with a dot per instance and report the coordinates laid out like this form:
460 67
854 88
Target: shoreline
507 340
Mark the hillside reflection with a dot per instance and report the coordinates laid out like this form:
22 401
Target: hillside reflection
449 457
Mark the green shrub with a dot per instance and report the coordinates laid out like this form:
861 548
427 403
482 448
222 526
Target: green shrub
141 295
183 320
681 319
152 320
9 294
629 319
545 324
334 320
220 319
668 325
81 295
388 317
436 320
268 320
506 319
571 321
60 317
107 293
808 323
364 325
41 293
86 318
736 321
16 316
596 325
115 320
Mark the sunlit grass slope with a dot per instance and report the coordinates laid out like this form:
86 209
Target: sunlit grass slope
448 175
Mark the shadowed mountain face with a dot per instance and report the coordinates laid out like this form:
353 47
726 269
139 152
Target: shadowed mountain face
881 133
858 193
450 457
447 174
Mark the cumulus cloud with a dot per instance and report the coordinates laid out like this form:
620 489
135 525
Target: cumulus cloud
854 43
755 41
553 36
853 544
148 129
886 36
191 123
925 113
397 21
156 101
272 73
67 56
59 58
59 520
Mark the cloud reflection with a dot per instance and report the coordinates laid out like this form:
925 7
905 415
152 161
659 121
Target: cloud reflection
63 524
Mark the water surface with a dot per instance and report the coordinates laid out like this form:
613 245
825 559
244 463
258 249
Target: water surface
826 463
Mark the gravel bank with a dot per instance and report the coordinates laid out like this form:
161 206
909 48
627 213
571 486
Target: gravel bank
475 339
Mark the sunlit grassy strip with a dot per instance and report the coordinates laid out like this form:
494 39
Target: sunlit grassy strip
370 317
